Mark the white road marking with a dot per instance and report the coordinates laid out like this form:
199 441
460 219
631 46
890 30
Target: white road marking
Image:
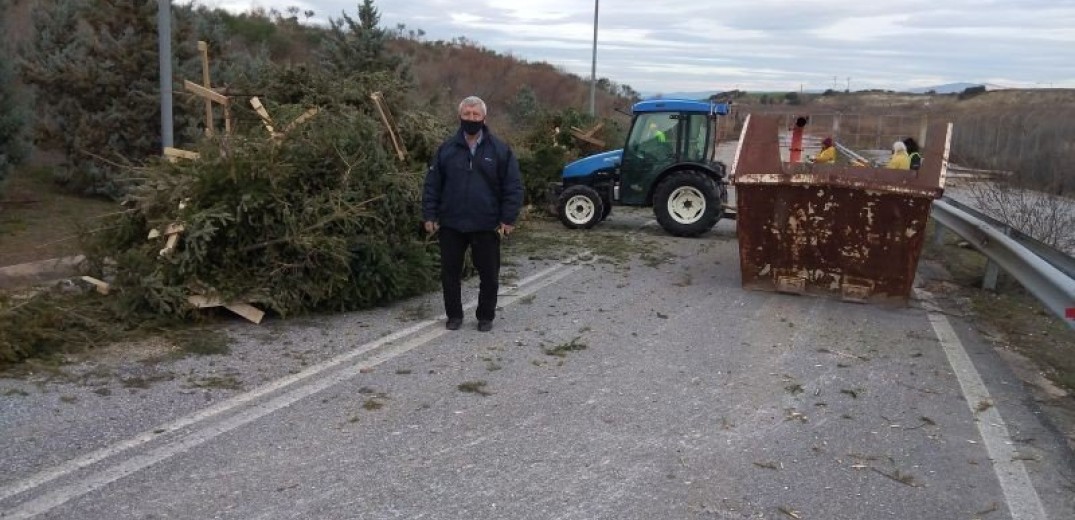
525 287
1019 492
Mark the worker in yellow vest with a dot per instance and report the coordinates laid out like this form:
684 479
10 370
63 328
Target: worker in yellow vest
899 160
828 152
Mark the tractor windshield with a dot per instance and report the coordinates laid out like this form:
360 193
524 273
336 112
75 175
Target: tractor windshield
653 136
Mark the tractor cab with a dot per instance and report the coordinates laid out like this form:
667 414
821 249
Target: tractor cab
665 134
668 162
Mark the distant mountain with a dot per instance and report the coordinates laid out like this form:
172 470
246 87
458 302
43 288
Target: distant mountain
679 95
948 88
954 88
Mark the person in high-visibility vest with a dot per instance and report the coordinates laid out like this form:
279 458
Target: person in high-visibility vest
899 160
913 153
656 134
827 154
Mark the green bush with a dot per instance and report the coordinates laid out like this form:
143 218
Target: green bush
14 143
93 69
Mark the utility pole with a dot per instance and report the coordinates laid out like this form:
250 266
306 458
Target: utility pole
849 84
593 64
164 33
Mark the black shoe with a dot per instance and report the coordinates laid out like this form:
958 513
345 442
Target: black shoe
453 323
485 325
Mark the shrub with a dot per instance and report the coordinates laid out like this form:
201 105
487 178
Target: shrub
14 145
93 68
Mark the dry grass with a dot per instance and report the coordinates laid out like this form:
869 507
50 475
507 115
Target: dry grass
39 221
1010 316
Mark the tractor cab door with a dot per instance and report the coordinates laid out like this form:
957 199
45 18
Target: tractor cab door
698 132
652 145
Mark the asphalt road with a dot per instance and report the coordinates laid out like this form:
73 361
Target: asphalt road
654 388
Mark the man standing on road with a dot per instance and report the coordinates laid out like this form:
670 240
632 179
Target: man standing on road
473 194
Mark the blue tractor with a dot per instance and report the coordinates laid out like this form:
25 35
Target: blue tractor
668 162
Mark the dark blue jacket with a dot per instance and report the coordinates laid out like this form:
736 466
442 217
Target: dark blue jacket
476 193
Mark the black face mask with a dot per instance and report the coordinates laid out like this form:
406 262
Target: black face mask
471 127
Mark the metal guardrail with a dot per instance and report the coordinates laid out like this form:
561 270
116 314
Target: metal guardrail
1050 284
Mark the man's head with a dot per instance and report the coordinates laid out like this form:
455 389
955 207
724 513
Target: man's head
827 142
472 114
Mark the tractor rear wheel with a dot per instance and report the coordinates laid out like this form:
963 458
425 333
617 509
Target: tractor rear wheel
580 207
687 203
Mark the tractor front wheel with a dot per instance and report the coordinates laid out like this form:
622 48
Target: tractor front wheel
687 204
580 207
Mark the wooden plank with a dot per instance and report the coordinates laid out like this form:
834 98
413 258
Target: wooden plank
169 246
587 133
382 108
596 142
171 229
201 301
201 91
101 286
247 311
227 118
260 109
203 47
175 153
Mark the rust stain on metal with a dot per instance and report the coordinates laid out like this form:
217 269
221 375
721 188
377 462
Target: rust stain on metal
852 232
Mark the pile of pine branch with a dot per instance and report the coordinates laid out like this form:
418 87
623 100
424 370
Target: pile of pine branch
322 218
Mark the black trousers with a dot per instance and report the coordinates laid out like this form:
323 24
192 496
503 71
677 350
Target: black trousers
485 253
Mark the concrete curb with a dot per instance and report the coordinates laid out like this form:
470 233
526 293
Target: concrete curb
24 275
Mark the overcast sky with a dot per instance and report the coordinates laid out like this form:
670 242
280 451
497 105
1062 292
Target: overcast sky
705 45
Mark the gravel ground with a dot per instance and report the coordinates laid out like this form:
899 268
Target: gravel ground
641 382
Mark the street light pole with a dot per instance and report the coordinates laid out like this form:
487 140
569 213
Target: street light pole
164 33
593 65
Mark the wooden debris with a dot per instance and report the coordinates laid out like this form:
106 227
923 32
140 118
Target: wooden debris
245 310
390 124
203 47
202 301
174 154
204 92
102 286
587 136
270 125
172 232
264 114
170 244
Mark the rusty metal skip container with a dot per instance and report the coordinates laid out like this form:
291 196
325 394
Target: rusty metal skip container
836 230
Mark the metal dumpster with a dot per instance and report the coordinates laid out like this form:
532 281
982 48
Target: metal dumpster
854 232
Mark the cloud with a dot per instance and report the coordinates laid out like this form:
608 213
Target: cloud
676 45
